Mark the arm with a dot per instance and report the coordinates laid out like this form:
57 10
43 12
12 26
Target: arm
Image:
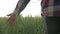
20 6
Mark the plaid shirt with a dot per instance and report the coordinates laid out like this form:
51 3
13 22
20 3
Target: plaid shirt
50 7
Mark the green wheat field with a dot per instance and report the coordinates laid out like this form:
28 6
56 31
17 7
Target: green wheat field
23 25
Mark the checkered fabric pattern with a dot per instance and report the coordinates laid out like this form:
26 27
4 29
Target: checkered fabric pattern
50 7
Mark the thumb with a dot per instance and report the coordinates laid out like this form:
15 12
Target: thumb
9 14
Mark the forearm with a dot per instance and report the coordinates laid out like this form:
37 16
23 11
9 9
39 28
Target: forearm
20 6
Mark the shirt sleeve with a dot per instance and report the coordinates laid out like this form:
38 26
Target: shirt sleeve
20 6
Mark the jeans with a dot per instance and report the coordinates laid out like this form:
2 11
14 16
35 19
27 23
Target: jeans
52 25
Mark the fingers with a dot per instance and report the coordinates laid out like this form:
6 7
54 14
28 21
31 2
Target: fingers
11 20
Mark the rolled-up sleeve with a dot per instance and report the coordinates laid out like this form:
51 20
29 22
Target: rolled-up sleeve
20 6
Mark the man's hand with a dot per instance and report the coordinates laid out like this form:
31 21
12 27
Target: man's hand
11 19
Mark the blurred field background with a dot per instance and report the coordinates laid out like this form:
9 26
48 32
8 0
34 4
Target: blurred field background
23 25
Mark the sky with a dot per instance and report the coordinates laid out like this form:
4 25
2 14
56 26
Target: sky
7 6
